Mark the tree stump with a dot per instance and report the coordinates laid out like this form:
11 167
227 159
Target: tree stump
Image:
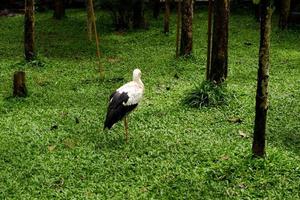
20 89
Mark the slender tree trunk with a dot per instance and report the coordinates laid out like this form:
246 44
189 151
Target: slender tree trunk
167 17
219 68
42 6
122 19
285 6
20 89
156 8
257 12
90 19
94 29
138 14
12 2
59 9
209 27
29 30
186 42
258 147
178 24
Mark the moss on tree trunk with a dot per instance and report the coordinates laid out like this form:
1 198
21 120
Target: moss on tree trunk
29 30
186 42
258 147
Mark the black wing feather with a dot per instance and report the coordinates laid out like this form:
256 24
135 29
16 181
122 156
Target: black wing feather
116 109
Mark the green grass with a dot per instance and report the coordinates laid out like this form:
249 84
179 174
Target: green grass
208 94
174 152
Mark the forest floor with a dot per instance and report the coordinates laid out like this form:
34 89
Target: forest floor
52 143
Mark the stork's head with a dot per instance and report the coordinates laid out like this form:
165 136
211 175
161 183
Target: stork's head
136 75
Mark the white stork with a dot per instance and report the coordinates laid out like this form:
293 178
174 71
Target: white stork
124 100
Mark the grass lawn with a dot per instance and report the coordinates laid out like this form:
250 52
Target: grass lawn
52 144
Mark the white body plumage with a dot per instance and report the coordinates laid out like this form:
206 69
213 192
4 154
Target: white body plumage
134 90
124 99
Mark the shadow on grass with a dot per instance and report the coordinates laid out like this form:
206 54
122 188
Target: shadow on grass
289 139
110 139
283 123
11 103
230 177
292 142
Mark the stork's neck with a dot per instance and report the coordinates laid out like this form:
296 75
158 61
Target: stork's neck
138 81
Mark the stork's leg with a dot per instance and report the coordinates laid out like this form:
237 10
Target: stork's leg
126 128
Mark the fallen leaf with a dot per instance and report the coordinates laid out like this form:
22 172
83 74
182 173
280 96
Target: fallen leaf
144 189
225 157
42 82
235 120
69 143
89 194
64 114
51 147
113 60
59 182
242 134
242 186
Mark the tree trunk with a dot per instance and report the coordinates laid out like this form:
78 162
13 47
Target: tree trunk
167 17
257 12
156 8
59 9
19 84
122 14
138 15
285 6
186 42
258 147
219 68
29 30
122 19
90 19
209 27
178 24
92 29
42 6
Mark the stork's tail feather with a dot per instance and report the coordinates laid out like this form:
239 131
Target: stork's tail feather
107 125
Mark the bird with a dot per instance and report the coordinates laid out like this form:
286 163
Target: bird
123 101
